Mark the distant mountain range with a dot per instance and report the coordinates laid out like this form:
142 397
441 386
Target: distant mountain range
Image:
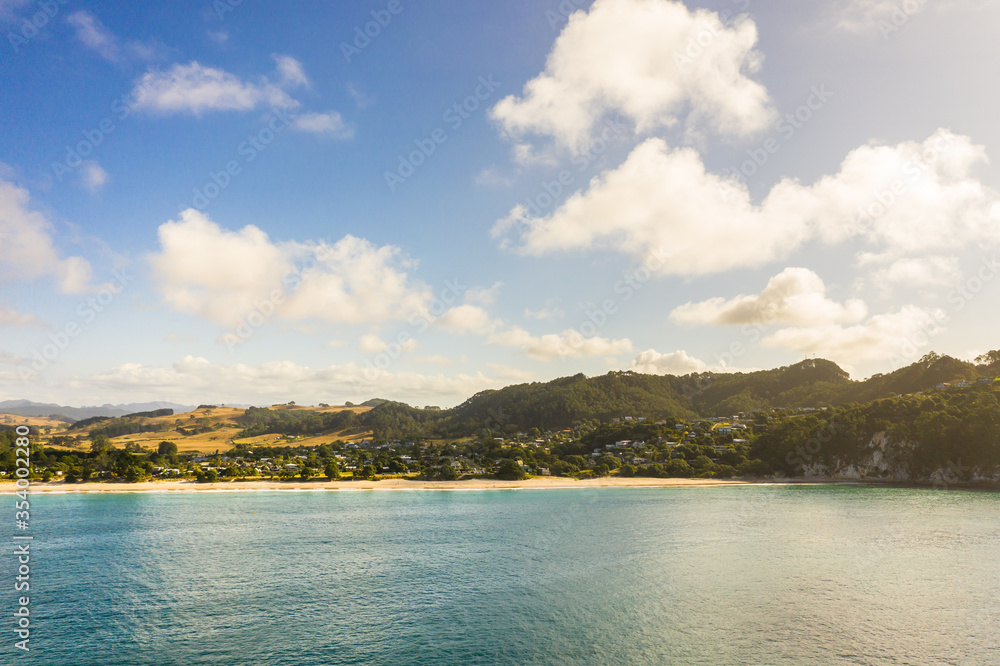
29 408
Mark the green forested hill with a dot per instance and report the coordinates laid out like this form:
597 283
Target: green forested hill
563 402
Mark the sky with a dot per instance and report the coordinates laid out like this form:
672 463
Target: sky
253 201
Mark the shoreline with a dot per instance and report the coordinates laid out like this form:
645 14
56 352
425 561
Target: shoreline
537 483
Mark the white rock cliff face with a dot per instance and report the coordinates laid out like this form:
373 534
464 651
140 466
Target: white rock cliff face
888 460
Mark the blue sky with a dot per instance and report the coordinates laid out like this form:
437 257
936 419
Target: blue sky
630 184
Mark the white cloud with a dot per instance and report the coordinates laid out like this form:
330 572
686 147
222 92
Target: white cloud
549 311
12 317
483 295
194 88
195 380
492 177
222 275
95 35
649 60
661 206
290 71
372 344
651 362
795 296
885 336
467 319
94 176
323 123
918 272
886 16
27 251
569 344
436 360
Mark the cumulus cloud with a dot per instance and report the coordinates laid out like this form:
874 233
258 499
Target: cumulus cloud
195 88
27 251
290 71
331 123
652 362
649 60
94 177
12 317
548 311
918 272
94 35
881 337
483 295
467 319
569 344
205 270
373 344
198 379
795 296
661 206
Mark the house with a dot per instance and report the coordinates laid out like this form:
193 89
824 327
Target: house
942 386
725 430
962 384
543 471
985 380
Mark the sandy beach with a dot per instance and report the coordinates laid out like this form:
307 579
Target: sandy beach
538 483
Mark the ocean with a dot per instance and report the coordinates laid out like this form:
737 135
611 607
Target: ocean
703 575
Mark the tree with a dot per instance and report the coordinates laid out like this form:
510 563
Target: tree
368 472
448 473
511 471
626 471
602 470
100 443
679 468
306 473
332 470
990 359
167 449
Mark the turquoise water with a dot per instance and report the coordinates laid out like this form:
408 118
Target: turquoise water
782 574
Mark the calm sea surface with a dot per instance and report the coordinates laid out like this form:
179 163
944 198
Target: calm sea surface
747 575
